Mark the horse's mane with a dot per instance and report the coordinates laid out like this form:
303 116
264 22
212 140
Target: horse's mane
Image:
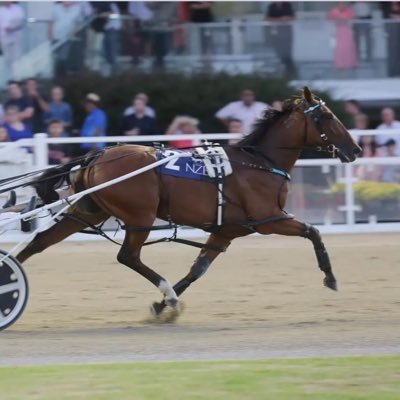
263 125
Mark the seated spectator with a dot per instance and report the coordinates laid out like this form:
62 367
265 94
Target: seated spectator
148 110
17 98
184 125
235 126
57 152
360 122
39 105
388 122
58 109
95 124
16 128
277 105
139 123
391 173
4 135
246 110
369 149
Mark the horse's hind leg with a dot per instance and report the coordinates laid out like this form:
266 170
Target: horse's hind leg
292 227
129 255
56 233
199 268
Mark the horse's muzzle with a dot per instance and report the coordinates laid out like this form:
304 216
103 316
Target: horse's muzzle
346 156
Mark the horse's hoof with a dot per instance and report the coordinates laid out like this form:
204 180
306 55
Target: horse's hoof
173 303
156 309
331 283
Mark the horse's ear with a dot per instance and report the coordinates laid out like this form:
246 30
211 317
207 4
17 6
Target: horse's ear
307 94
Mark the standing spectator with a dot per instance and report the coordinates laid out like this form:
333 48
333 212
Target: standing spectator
184 125
138 123
281 33
360 123
138 37
363 29
16 128
391 11
388 122
58 153
12 19
66 19
111 40
345 51
95 124
58 109
16 98
200 13
148 110
39 106
277 105
246 110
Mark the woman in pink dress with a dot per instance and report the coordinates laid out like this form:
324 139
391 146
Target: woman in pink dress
346 51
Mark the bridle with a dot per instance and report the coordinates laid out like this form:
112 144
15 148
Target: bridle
315 112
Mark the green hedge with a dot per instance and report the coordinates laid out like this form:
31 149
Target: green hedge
171 94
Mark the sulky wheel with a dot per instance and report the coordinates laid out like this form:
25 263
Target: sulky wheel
13 291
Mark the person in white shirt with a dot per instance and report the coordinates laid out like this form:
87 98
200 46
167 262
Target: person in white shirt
150 112
388 122
111 39
12 19
246 110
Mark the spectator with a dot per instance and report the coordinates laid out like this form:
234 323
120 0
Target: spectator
281 34
360 123
352 109
235 126
111 40
39 106
58 109
24 104
391 173
148 110
369 149
95 124
200 13
139 123
57 151
66 19
388 122
345 51
277 105
138 38
4 135
363 29
391 11
246 110
12 19
16 128
184 125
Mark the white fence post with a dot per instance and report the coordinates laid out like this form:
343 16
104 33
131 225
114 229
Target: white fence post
41 150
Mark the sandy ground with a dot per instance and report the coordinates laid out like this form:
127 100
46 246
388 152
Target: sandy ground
263 298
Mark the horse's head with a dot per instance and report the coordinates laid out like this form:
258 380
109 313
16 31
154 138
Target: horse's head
323 129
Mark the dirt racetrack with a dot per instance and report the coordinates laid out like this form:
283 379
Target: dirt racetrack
263 298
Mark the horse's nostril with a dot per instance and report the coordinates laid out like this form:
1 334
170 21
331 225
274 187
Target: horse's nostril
356 150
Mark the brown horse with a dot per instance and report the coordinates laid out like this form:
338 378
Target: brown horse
255 193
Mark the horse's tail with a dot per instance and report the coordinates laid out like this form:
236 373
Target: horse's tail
53 178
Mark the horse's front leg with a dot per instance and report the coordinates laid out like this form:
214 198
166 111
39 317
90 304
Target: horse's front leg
216 244
292 227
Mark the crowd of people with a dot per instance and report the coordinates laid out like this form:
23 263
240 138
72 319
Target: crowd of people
147 31
382 145
27 111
